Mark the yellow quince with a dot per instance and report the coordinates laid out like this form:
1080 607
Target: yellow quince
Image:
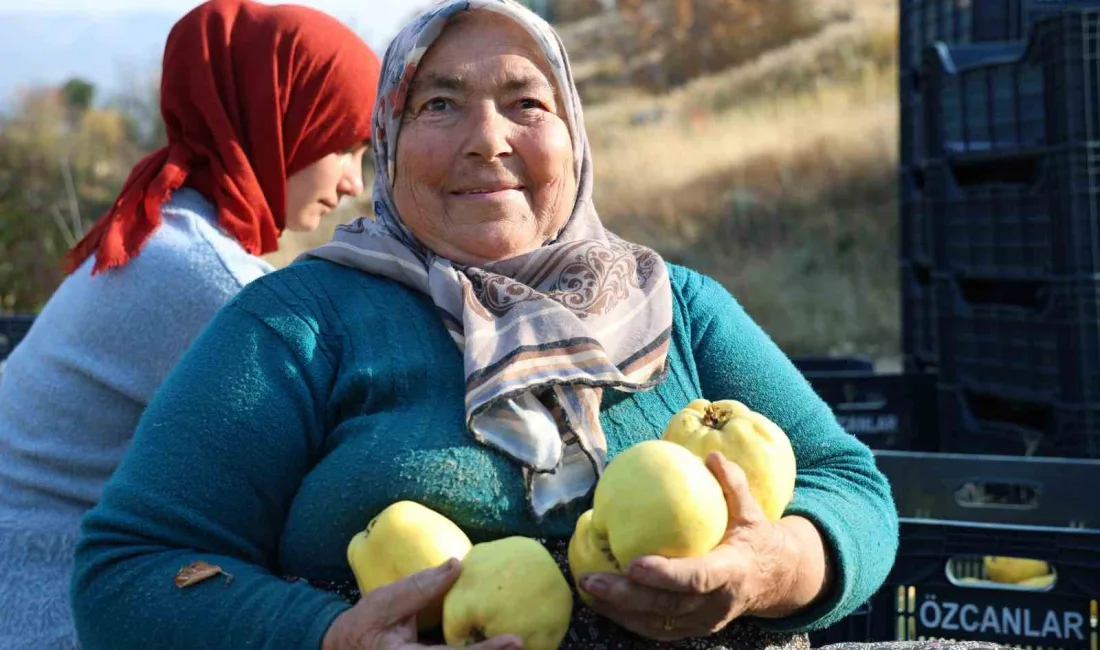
508 586
1038 582
744 437
589 553
1013 569
404 539
654 498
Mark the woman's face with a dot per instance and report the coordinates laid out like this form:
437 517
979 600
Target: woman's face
314 191
484 167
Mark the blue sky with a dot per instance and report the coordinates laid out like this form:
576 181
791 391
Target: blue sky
44 42
379 19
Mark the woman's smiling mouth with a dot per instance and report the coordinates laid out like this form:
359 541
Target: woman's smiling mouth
488 192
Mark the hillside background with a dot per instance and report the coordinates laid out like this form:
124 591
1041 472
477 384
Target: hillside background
753 140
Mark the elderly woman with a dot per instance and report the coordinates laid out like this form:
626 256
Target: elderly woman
483 346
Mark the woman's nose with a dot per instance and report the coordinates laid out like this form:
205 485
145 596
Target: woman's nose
351 183
487 136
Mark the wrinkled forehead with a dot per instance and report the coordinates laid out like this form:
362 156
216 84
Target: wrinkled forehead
470 39
410 47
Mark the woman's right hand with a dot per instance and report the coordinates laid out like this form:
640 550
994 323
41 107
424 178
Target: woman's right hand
385 618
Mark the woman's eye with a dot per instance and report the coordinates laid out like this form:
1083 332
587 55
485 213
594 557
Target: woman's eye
530 104
436 105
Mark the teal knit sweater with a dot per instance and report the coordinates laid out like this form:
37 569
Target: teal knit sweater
320 394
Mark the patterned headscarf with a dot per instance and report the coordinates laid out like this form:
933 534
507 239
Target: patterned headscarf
544 332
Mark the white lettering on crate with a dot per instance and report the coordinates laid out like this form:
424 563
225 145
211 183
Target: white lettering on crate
990 619
868 424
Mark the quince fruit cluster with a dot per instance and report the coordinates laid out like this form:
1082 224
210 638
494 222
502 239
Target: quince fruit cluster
659 498
507 586
655 498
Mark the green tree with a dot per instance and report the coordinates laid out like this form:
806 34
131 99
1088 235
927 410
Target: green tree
79 94
60 169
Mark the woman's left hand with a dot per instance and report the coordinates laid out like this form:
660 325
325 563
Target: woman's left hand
748 573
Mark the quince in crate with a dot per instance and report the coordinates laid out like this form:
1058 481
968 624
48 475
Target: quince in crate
1016 570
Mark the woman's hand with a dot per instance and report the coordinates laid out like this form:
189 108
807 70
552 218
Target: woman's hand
760 568
385 618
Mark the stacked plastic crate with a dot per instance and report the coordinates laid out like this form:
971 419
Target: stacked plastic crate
940 585
1000 253
1000 200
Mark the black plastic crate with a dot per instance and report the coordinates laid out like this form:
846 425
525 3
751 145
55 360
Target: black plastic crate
1017 217
938 587
885 411
919 325
1036 341
992 488
924 22
993 219
1075 208
927 598
976 423
12 331
915 224
984 98
1069 45
912 140
832 365
1012 97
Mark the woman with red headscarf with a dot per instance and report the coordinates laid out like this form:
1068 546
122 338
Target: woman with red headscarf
268 113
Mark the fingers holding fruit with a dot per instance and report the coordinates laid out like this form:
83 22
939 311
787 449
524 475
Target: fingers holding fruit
653 613
385 618
654 498
743 508
630 597
401 541
749 542
417 570
698 596
742 576
680 544
745 570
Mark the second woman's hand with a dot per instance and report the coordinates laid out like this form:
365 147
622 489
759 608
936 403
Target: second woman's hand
385 618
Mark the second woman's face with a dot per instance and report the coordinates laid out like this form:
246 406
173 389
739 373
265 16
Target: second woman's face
317 189
484 167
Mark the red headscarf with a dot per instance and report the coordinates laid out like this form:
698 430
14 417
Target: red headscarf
250 94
